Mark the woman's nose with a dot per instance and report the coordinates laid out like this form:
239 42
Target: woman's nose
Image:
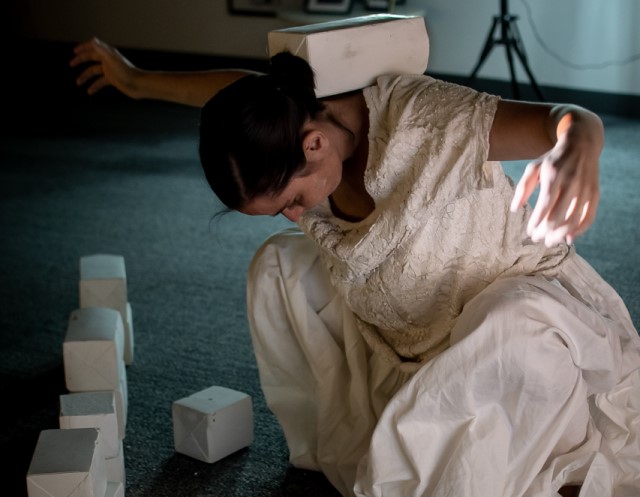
293 213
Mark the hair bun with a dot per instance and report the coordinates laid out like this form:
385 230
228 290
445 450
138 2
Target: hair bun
291 73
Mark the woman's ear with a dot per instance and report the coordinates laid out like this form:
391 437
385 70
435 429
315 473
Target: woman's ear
315 145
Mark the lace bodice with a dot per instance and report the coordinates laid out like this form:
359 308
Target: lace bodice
441 230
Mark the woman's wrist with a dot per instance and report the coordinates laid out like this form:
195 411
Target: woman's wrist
575 122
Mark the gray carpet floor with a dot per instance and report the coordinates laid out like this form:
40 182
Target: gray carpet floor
107 175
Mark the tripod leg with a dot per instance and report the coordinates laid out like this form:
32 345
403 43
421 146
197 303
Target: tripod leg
519 49
514 81
488 46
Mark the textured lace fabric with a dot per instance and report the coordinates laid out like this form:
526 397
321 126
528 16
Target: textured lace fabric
441 230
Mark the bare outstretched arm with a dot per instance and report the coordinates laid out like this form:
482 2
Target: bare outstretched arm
106 66
566 142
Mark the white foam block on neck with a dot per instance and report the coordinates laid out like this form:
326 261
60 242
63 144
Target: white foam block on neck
350 54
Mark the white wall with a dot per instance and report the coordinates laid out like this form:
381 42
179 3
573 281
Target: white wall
196 26
583 32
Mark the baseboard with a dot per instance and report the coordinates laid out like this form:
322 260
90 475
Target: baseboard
599 102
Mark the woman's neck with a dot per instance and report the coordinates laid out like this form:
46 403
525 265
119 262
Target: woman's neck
349 113
351 201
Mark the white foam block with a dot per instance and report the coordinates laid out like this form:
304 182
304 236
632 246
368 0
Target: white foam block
92 410
93 356
103 282
67 463
122 403
350 54
212 423
115 466
93 350
115 489
128 336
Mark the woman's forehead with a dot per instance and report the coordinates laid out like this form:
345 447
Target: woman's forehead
267 204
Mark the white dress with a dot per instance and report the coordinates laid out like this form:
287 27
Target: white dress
431 349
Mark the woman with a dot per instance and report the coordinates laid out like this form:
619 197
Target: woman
417 340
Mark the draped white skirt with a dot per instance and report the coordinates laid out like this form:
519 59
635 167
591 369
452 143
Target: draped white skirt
539 389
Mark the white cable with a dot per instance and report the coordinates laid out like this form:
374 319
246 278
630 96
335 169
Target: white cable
596 65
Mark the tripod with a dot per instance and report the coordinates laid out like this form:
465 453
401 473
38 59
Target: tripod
509 36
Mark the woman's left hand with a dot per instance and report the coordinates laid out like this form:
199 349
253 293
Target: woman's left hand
568 178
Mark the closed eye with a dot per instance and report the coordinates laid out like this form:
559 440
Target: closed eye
293 203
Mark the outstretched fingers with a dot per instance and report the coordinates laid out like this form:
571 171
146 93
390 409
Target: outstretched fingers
94 71
85 52
587 214
540 225
567 200
526 186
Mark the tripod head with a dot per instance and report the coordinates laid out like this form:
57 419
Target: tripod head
504 31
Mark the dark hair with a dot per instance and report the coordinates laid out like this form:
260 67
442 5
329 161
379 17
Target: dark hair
251 131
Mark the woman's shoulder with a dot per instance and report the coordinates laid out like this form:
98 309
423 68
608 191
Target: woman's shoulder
414 85
411 98
394 84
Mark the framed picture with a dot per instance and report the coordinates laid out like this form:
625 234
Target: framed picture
328 6
379 4
254 7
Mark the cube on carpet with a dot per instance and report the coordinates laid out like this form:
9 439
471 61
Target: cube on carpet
93 356
114 489
213 423
68 463
93 350
103 283
129 342
93 410
115 466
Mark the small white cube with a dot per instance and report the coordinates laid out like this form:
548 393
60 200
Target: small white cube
103 282
115 466
128 336
92 410
93 350
93 356
122 404
114 489
68 463
212 423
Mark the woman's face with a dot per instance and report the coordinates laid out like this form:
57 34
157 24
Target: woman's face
308 189
326 146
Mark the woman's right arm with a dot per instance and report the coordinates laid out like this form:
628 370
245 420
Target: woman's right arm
106 66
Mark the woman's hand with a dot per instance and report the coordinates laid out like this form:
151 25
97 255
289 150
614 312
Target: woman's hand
568 178
107 67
